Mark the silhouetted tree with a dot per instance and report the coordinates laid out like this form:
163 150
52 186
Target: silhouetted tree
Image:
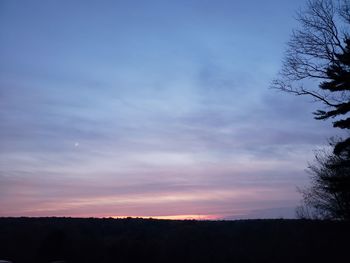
320 51
328 197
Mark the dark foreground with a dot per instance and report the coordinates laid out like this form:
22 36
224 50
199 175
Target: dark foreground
148 240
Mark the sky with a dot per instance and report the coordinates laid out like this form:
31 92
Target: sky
151 109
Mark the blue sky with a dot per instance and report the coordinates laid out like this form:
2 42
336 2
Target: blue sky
150 108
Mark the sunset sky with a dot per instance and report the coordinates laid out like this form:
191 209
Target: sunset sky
150 108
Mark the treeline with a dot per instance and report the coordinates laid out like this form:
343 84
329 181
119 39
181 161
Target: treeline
148 240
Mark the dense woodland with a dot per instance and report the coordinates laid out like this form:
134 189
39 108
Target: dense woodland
150 240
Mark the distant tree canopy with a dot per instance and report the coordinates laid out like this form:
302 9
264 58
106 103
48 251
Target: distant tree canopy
320 51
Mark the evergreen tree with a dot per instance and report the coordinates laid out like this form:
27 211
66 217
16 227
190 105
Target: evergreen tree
339 82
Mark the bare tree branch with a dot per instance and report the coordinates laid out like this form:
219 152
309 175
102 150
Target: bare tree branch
313 49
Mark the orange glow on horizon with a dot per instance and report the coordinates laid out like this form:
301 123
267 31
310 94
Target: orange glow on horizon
174 217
